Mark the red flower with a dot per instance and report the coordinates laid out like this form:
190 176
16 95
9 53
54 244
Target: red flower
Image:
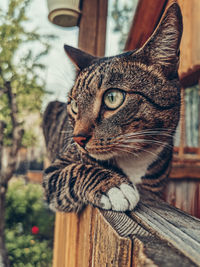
35 230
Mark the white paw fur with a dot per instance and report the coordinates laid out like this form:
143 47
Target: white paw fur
123 198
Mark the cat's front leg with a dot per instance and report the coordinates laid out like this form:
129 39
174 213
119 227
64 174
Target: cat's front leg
71 185
109 190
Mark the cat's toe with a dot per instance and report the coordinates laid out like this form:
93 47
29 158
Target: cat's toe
131 194
123 198
105 203
117 199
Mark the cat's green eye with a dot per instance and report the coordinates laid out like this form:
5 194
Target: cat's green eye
113 98
74 106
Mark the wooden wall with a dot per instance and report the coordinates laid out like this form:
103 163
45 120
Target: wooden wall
184 193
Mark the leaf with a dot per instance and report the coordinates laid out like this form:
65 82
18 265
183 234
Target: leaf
19 64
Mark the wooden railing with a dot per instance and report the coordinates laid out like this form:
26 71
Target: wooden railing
155 234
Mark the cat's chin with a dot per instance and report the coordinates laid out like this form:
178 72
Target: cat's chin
102 157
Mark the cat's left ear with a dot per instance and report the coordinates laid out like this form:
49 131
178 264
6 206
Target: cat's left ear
79 58
163 46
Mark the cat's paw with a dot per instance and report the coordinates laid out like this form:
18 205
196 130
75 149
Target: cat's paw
122 198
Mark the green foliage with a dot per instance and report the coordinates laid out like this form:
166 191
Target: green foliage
29 139
24 209
20 64
26 250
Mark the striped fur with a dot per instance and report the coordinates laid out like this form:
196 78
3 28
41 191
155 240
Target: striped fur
99 154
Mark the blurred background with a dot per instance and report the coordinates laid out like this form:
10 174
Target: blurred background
34 70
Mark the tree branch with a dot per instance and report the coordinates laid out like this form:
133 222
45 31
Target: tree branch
12 103
17 134
2 127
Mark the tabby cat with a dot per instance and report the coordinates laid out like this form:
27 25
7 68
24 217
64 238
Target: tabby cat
117 127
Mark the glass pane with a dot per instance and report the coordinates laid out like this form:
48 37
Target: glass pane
120 16
192 115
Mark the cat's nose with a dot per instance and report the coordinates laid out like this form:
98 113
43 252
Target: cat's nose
81 139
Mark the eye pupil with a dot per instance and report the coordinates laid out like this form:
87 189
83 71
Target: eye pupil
114 98
111 97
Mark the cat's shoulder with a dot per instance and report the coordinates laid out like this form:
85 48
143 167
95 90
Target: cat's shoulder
52 110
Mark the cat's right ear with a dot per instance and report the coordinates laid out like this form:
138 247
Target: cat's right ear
79 58
163 46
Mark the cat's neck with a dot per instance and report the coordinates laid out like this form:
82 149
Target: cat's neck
136 167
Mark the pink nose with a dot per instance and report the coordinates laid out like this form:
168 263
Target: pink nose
81 140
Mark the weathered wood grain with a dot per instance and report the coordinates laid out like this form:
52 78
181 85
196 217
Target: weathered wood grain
165 236
86 240
110 249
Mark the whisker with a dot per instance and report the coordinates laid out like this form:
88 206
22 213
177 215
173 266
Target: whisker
150 132
154 131
67 131
148 142
68 138
165 130
145 150
123 150
67 145
148 151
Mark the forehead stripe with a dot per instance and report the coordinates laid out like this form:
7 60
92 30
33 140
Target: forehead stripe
85 78
96 72
100 81
153 103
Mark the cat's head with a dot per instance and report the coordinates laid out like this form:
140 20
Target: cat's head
128 103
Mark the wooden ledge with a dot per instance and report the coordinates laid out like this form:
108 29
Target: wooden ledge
155 234
185 169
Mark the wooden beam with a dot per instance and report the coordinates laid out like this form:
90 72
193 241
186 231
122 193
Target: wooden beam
92 30
185 169
147 17
188 150
191 77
